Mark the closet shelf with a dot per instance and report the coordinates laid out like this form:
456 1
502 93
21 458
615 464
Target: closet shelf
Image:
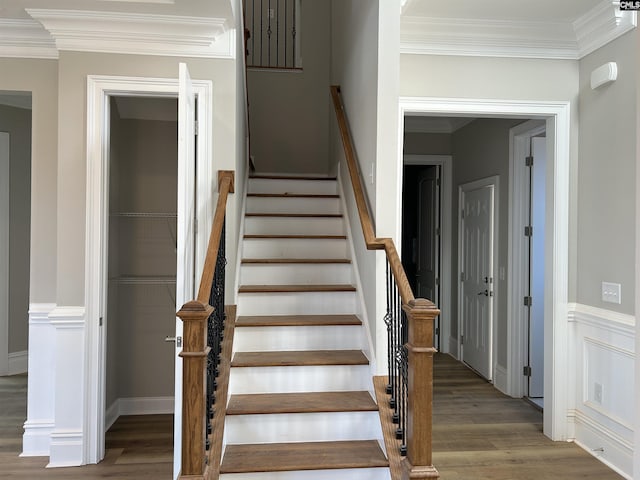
145 215
145 280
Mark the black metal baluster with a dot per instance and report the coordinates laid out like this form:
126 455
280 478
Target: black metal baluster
388 320
286 14
269 35
293 58
261 29
277 13
253 32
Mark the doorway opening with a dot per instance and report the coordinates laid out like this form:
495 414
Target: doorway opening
508 371
141 256
194 153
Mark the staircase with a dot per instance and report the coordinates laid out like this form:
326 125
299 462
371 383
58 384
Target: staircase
300 388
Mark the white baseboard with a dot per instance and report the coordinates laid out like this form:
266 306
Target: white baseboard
453 348
500 378
18 362
66 448
602 443
36 441
138 406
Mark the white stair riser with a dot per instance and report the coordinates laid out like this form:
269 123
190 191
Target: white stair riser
302 427
294 248
263 339
294 226
292 205
296 274
313 378
297 303
316 187
342 474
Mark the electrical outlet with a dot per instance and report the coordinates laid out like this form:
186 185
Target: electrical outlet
597 393
272 13
611 292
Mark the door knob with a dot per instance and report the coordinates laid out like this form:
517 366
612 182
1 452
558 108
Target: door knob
176 340
485 293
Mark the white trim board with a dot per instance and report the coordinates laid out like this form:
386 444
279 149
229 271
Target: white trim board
446 162
557 116
5 152
99 88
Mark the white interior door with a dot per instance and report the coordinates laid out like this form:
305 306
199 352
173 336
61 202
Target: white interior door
4 253
536 268
186 233
477 222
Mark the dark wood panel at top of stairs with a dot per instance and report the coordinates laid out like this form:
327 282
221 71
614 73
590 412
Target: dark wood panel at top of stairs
292 195
303 237
308 402
276 457
290 177
299 358
295 215
296 260
295 288
296 320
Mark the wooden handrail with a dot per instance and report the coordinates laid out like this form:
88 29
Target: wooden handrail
195 315
420 314
371 241
225 186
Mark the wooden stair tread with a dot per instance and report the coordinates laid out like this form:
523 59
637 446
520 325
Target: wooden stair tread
291 195
295 288
290 177
296 320
299 358
295 215
303 237
276 457
308 402
296 260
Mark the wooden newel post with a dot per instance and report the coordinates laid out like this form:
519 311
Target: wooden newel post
194 353
418 463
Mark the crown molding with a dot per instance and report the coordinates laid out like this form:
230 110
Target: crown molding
602 24
520 39
133 33
24 38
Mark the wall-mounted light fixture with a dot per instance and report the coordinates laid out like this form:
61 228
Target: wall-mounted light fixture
604 75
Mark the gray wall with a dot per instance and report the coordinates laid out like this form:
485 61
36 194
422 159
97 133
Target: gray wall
606 177
40 77
289 120
427 143
74 68
481 150
17 122
143 179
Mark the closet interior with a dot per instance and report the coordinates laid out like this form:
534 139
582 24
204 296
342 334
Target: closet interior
141 304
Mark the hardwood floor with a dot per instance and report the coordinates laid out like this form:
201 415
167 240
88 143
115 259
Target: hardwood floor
138 447
478 433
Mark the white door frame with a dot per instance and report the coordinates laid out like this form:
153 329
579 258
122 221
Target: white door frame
448 344
493 181
557 117
519 137
99 89
5 185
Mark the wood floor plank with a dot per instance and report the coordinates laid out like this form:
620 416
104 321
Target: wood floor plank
296 320
308 402
292 195
291 177
295 215
299 358
275 457
297 237
295 288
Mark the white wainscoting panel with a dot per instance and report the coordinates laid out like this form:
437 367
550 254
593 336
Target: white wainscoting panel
602 417
67 438
40 383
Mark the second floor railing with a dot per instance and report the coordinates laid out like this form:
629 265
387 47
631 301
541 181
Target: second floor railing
409 323
203 333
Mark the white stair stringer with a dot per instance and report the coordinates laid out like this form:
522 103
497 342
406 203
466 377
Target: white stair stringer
280 261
